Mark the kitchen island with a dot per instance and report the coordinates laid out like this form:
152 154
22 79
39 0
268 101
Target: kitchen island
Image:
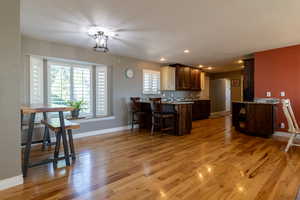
183 112
254 118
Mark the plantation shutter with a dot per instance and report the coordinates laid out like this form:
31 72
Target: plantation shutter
82 88
151 82
101 91
36 80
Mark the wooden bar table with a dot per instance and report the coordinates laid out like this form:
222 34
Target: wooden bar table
32 109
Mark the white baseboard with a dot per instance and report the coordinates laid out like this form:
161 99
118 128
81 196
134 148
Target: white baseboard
10 182
99 132
284 134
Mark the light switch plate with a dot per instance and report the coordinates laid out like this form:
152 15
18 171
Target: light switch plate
269 94
282 125
282 93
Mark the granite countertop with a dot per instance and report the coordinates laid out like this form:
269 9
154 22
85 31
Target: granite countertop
258 102
171 102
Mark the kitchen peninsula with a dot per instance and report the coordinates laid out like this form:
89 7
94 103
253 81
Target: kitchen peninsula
183 110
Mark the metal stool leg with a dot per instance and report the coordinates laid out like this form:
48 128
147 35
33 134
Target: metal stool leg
57 147
64 138
71 144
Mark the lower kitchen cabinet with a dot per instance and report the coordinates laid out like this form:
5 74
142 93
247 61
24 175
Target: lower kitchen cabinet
201 109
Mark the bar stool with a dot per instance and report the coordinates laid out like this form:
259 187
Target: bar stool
54 125
159 117
136 111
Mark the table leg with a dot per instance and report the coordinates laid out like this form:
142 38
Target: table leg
64 138
28 144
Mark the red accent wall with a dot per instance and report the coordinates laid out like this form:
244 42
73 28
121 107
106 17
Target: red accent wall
279 70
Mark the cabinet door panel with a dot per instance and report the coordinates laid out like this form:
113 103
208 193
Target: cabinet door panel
195 79
183 77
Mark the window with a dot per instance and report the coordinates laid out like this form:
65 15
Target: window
70 81
151 82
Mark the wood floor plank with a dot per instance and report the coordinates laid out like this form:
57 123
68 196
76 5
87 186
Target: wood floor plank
213 162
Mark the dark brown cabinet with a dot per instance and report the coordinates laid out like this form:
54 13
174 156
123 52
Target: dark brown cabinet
183 77
256 119
195 79
187 78
201 109
248 84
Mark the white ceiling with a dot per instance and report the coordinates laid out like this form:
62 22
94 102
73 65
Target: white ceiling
217 32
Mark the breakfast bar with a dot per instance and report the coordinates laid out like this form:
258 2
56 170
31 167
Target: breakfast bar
183 110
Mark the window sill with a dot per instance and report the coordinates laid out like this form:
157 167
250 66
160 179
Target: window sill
86 120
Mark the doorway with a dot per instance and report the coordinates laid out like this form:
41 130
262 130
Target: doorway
220 96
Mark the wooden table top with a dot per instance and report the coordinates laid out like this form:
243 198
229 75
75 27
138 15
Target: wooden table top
37 108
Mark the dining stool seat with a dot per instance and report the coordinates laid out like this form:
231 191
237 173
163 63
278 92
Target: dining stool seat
54 124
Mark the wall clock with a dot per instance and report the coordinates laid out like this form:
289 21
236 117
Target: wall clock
129 73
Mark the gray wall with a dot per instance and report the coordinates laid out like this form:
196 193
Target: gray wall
121 88
10 160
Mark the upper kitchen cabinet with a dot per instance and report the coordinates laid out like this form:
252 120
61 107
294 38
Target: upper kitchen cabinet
195 79
181 77
167 78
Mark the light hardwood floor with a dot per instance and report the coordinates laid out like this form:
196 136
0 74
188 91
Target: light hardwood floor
214 162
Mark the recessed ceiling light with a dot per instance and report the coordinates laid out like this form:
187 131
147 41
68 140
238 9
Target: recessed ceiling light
162 59
186 51
200 66
209 68
240 61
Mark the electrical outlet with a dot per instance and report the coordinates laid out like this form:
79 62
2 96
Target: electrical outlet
282 125
282 93
269 94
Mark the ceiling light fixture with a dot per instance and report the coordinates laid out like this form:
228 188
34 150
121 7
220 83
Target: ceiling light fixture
162 59
200 66
240 61
100 35
209 68
186 51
